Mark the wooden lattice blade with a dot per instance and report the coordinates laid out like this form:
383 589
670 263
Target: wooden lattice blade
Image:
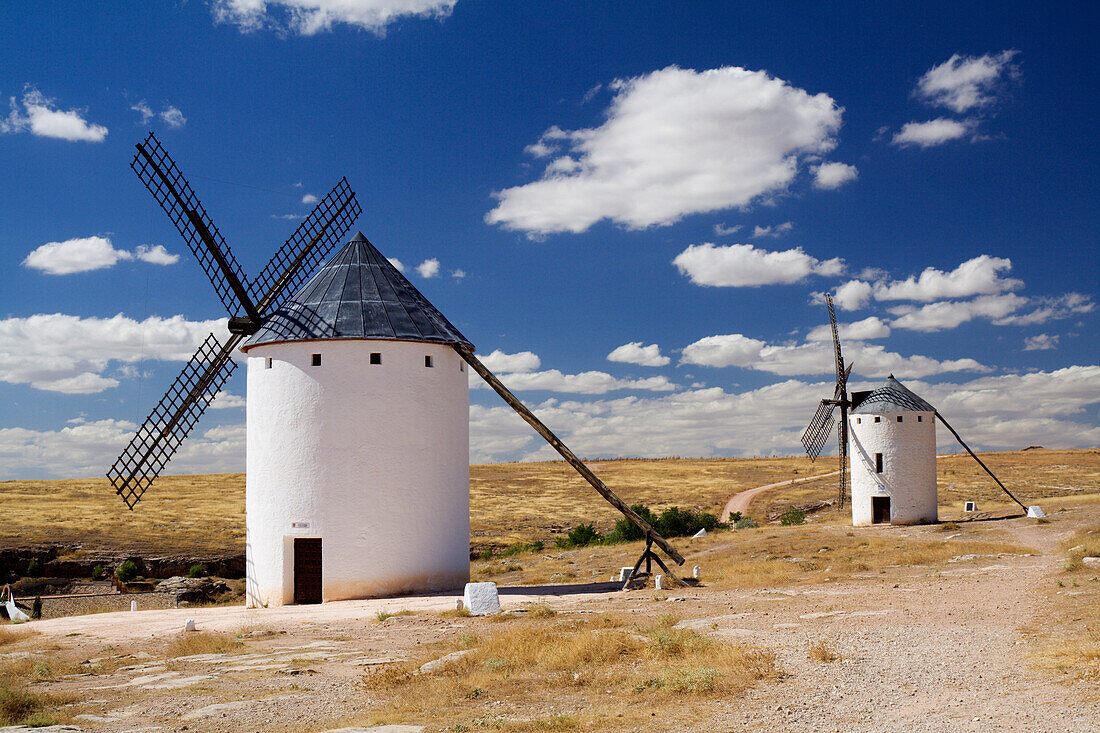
157 440
306 249
166 182
817 432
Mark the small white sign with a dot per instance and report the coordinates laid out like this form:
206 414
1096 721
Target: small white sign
300 525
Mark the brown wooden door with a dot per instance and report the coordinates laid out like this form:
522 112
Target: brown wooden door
307 569
880 510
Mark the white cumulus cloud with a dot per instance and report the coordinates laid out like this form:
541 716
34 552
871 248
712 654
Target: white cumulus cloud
40 116
674 142
775 230
814 357
635 353
84 254
828 176
981 275
521 361
871 327
963 83
309 199
953 313
308 17
1041 342
397 263
743 265
931 133
428 268
64 353
169 114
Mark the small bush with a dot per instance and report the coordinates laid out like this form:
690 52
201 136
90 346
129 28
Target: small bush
19 706
734 518
745 523
196 571
792 516
823 652
521 547
582 535
126 571
34 569
98 572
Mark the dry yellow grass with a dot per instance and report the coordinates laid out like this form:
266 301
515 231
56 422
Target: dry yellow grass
510 502
202 642
586 666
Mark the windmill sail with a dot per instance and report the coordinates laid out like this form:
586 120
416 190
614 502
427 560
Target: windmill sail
158 438
195 388
817 432
306 249
165 181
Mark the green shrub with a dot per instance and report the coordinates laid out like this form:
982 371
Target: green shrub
126 571
734 518
792 516
627 531
98 572
745 523
196 571
580 536
521 547
34 569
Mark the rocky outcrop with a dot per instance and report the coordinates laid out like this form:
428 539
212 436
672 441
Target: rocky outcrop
193 590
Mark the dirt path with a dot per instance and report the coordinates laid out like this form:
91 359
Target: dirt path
740 501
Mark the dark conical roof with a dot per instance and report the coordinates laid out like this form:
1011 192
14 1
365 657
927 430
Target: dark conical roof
358 294
892 396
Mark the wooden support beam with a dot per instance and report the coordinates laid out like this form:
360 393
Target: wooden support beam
979 460
572 460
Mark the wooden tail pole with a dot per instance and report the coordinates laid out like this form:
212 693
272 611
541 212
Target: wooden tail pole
567 454
979 460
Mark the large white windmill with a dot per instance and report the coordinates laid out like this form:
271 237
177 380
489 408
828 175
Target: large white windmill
358 416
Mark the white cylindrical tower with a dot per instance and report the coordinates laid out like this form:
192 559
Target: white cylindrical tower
358 441
893 457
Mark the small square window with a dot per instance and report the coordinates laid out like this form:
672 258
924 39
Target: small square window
899 418
267 363
428 360
375 357
316 360
878 419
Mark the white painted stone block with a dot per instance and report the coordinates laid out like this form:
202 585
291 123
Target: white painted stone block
700 533
189 625
1091 561
657 582
133 605
481 599
1035 512
695 572
624 573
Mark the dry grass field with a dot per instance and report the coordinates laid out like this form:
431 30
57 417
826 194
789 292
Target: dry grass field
510 502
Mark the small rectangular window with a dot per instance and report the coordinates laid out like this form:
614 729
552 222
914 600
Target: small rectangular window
375 357
878 419
899 418
316 360
919 418
267 363
427 360
878 463
461 367
859 421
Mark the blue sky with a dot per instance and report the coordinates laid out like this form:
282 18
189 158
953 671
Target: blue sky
632 209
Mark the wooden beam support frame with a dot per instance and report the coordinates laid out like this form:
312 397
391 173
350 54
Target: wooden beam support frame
529 417
648 556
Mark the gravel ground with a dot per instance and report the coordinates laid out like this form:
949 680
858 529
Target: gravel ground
59 606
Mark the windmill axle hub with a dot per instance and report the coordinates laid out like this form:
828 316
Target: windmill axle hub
243 325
